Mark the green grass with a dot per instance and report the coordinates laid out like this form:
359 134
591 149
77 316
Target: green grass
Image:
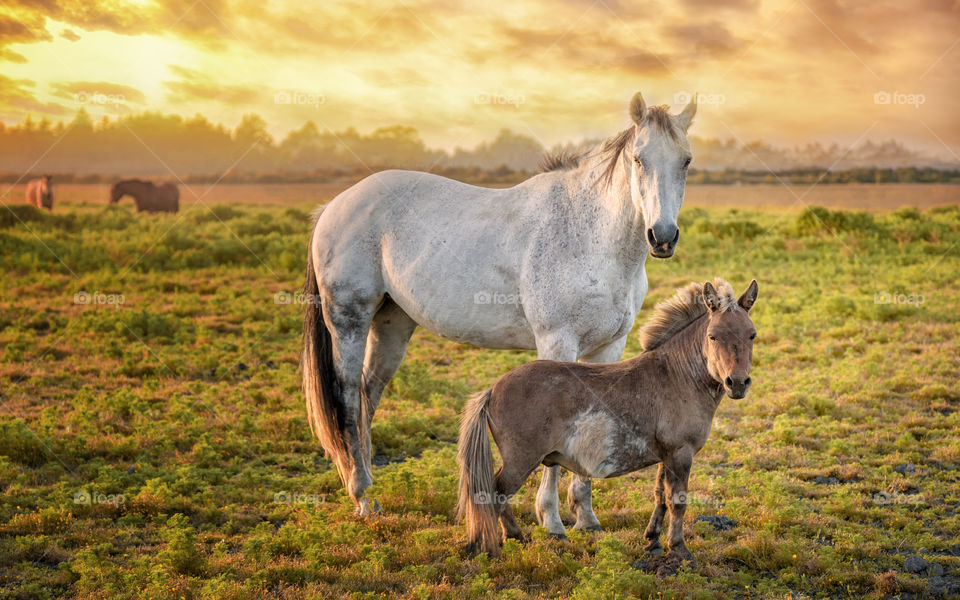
153 440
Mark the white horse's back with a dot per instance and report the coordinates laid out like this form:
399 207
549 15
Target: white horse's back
443 250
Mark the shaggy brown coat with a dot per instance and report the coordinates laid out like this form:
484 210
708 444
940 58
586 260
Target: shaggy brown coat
606 420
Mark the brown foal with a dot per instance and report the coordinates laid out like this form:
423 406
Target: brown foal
607 420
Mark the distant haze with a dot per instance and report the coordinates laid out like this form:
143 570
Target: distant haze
152 144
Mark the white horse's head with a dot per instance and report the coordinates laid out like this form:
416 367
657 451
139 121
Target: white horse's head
659 156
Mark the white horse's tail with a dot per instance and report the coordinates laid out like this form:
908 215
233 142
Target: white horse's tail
477 490
325 409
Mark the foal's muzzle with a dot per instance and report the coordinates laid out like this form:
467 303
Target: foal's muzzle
737 388
663 240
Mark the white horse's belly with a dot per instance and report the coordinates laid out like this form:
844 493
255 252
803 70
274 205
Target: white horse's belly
484 324
456 299
597 300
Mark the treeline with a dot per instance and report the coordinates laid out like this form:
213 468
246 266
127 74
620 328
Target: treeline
152 144
156 144
811 176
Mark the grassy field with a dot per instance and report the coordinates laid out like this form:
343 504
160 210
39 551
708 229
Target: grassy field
153 440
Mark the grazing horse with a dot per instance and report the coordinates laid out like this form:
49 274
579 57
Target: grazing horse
148 196
554 264
612 419
40 192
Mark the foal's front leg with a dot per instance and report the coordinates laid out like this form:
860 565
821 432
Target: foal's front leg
655 526
677 474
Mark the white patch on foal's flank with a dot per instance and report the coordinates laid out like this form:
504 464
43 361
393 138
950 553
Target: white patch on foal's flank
591 444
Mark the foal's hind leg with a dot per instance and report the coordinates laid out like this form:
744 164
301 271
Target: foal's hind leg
517 466
386 346
511 529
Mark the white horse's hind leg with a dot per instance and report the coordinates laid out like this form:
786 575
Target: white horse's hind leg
349 324
386 346
580 492
580 500
558 345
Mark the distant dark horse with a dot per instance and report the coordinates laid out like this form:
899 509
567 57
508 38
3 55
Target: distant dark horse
40 192
147 195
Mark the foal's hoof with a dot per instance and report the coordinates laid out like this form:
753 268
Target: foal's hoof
670 563
469 548
654 549
558 536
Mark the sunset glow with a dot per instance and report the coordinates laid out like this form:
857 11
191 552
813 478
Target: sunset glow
785 72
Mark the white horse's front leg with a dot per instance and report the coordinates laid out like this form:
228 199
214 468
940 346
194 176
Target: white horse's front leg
558 345
548 503
580 492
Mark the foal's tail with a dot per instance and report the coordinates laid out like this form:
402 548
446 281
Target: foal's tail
325 409
477 490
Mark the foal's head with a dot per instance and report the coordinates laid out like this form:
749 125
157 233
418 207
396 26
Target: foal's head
728 345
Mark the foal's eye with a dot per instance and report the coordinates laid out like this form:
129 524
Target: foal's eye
713 338
753 335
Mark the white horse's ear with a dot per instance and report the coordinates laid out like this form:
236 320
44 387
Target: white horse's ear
638 109
710 297
749 297
686 115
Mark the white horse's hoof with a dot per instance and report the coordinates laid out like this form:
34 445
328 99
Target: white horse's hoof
365 509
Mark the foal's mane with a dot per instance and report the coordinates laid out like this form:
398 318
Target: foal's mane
611 148
685 307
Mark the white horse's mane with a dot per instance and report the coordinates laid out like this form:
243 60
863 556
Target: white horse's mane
610 149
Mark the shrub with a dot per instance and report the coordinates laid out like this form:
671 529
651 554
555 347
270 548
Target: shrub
182 553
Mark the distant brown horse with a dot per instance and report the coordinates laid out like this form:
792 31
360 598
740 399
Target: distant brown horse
148 196
40 192
607 420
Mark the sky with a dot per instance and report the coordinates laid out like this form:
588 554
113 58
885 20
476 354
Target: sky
786 72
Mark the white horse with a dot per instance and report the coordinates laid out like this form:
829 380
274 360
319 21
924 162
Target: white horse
554 264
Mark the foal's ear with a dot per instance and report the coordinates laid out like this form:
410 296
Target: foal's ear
638 109
710 297
749 297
